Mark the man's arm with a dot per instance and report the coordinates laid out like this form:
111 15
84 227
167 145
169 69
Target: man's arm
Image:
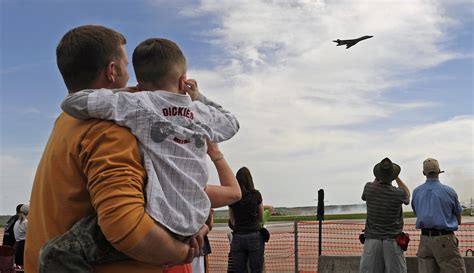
364 195
457 210
229 191
404 188
159 247
111 161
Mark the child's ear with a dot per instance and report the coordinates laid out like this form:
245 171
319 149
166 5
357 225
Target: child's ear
182 82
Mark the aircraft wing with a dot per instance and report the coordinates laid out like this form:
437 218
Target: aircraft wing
349 44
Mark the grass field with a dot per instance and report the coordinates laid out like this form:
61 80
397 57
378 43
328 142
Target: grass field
292 218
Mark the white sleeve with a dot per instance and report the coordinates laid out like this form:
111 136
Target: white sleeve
224 124
75 104
126 109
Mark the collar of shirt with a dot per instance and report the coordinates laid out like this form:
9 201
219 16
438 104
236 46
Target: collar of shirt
432 180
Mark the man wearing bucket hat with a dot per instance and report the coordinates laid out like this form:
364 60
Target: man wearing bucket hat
384 220
438 214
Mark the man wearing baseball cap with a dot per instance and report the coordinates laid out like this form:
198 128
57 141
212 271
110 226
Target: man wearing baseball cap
384 221
438 214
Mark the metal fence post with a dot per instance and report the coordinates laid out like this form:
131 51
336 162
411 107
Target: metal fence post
320 216
295 228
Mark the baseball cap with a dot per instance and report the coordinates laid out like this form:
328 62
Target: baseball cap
431 165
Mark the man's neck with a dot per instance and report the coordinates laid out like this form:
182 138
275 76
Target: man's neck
432 178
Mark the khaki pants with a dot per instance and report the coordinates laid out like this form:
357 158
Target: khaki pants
439 254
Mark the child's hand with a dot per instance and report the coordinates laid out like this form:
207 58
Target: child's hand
190 87
213 151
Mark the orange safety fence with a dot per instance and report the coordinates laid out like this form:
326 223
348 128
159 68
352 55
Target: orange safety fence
338 239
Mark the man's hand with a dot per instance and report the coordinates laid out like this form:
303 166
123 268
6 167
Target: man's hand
403 186
190 87
196 244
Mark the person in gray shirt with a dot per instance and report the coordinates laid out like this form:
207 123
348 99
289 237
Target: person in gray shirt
384 220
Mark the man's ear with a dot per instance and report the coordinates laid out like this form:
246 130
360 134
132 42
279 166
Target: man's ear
111 72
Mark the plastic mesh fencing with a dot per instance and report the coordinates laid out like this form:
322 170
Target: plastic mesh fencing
338 239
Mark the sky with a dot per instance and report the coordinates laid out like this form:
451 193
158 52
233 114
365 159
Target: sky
312 115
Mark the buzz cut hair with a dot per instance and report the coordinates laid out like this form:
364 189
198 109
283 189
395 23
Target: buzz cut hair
158 62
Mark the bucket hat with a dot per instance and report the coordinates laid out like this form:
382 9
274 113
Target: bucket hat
386 171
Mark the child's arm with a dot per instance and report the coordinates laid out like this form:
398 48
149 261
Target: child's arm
75 104
223 124
229 191
105 104
91 103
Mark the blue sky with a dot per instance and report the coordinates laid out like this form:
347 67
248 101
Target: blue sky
313 115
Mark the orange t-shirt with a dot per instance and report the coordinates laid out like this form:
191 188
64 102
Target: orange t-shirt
86 166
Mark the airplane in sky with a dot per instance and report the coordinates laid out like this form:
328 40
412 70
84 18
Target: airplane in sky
351 42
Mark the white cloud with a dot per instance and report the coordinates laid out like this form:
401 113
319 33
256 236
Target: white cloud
310 111
290 167
17 173
281 56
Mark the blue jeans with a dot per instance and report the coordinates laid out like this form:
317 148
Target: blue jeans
248 247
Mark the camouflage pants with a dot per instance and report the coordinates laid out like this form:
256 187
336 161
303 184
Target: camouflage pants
78 249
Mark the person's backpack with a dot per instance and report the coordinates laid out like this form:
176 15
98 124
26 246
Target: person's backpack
8 234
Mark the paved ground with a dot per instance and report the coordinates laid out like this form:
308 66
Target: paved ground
339 238
288 226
